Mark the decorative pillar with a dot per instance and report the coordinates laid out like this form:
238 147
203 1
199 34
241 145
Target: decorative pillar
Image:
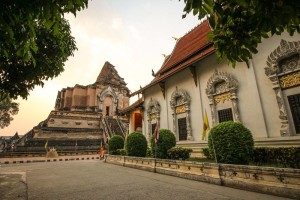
213 110
188 123
236 115
174 119
149 135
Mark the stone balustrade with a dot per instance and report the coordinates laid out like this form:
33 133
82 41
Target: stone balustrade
283 182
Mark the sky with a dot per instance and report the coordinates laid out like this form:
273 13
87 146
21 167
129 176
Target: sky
131 35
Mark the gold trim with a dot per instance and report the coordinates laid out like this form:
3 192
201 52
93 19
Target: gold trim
180 109
222 97
290 80
153 116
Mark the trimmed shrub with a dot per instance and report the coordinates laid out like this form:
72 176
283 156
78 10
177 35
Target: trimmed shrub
278 156
121 152
206 153
166 141
232 141
136 145
116 142
179 153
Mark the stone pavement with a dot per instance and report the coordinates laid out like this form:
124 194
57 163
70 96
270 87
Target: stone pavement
13 186
94 179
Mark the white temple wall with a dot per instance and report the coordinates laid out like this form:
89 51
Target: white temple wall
184 80
265 87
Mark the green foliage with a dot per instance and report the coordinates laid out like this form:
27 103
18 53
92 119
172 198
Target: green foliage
239 25
279 156
166 141
179 153
149 152
232 141
7 109
121 152
116 142
136 145
206 153
35 41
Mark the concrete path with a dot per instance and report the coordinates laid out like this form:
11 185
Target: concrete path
94 179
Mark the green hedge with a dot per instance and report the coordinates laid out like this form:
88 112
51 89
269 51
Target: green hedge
272 156
206 153
277 156
232 141
121 152
166 141
136 145
179 153
115 142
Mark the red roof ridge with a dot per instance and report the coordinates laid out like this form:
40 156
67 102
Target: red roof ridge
191 47
188 36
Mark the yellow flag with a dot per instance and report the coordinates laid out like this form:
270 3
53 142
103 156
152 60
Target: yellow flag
205 126
46 144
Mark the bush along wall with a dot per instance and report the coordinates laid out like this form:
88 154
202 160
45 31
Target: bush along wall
232 141
287 157
116 142
136 145
277 156
166 141
179 153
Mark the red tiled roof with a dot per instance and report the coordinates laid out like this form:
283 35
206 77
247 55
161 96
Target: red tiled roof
187 46
189 49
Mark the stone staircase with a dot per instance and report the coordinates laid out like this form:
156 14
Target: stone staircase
195 146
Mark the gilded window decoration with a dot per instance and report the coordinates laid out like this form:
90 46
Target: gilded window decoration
153 114
180 109
283 66
180 103
222 87
290 80
222 97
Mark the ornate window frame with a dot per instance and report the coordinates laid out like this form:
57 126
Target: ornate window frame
153 113
108 92
283 78
227 92
183 107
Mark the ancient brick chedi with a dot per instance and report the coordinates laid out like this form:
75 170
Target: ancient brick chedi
83 115
108 94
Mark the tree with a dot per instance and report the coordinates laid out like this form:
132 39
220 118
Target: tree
7 109
239 25
35 41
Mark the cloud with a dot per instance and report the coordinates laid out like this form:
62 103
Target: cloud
116 23
134 33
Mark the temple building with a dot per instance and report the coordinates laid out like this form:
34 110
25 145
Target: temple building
83 115
263 94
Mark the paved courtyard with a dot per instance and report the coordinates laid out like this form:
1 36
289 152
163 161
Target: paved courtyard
94 179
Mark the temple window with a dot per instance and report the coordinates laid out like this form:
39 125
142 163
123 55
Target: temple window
153 115
180 105
283 70
222 93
